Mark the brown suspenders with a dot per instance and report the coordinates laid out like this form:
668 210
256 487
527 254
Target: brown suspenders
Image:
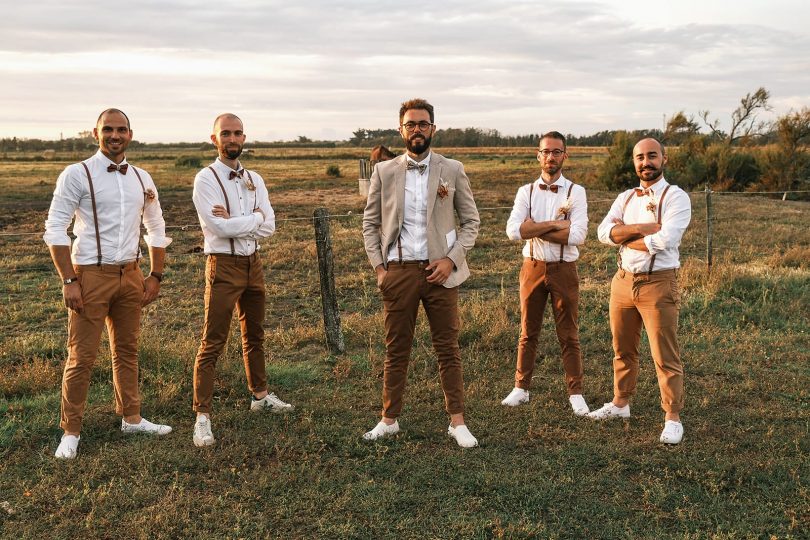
565 217
227 204
95 211
657 211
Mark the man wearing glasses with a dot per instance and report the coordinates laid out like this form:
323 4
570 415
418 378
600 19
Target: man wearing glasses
551 216
409 230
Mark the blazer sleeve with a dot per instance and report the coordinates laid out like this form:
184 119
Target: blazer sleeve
468 218
372 220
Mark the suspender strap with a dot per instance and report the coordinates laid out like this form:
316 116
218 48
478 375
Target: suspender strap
143 189
658 211
565 216
95 213
531 240
227 204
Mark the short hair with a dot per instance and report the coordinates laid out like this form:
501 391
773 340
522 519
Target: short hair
113 110
416 103
552 135
228 116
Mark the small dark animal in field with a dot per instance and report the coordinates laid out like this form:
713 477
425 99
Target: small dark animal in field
381 153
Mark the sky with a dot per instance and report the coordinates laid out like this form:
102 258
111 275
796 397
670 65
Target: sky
322 69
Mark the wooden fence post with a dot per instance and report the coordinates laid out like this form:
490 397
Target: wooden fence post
709 220
365 174
326 269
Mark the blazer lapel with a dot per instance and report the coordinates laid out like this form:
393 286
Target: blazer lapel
399 180
433 183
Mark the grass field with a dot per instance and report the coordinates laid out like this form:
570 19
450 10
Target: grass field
540 472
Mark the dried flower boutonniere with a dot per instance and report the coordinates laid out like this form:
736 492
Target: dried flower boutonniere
149 194
652 205
249 185
443 189
565 208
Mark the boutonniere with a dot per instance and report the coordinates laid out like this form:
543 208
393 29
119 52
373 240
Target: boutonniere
652 205
442 191
249 185
149 194
565 208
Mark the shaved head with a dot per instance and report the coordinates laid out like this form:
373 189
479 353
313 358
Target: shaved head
110 111
225 116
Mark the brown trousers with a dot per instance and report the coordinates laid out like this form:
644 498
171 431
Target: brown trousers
231 280
654 301
538 280
111 294
404 286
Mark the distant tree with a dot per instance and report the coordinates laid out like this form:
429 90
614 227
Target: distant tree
303 139
744 123
679 129
787 164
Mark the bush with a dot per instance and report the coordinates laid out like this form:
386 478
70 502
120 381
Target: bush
188 161
617 171
333 170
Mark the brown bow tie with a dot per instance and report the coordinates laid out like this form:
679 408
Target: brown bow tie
120 168
641 192
552 188
234 174
421 166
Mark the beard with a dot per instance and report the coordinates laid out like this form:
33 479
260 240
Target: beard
231 151
418 144
551 168
648 174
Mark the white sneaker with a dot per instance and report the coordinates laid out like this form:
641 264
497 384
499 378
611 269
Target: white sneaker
673 432
609 410
202 432
68 447
145 426
271 403
381 430
462 436
516 397
578 404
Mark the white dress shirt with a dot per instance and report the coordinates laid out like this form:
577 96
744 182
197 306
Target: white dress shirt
119 201
677 212
545 207
413 233
245 226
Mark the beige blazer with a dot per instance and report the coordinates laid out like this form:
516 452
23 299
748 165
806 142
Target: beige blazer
383 215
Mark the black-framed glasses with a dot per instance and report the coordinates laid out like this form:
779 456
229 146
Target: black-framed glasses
410 127
546 153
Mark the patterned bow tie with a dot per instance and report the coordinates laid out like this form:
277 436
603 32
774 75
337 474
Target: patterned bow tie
552 188
641 192
421 166
234 174
120 168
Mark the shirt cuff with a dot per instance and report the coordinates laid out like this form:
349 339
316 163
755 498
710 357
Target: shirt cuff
608 240
648 241
56 239
156 241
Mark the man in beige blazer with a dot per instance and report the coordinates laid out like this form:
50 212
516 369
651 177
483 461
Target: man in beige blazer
409 229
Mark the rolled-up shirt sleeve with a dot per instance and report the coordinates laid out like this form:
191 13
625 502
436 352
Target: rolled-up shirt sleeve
153 220
614 214
66 197
579 217
520 211
268 226
674 221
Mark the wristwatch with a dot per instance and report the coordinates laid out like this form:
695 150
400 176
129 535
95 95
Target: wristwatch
157 275
70 280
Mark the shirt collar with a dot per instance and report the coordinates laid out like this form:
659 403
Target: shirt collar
561 181
658 186
99 155
426 161
225 168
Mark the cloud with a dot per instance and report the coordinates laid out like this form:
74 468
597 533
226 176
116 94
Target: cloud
318 67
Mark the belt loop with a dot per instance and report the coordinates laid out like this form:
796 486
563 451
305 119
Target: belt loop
622 273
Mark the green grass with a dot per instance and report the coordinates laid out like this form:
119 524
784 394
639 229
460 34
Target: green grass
741 471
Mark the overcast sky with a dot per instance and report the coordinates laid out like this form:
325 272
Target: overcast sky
325 68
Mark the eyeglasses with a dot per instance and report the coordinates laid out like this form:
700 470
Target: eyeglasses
556 152
410 127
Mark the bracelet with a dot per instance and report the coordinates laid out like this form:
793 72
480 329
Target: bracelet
157 275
